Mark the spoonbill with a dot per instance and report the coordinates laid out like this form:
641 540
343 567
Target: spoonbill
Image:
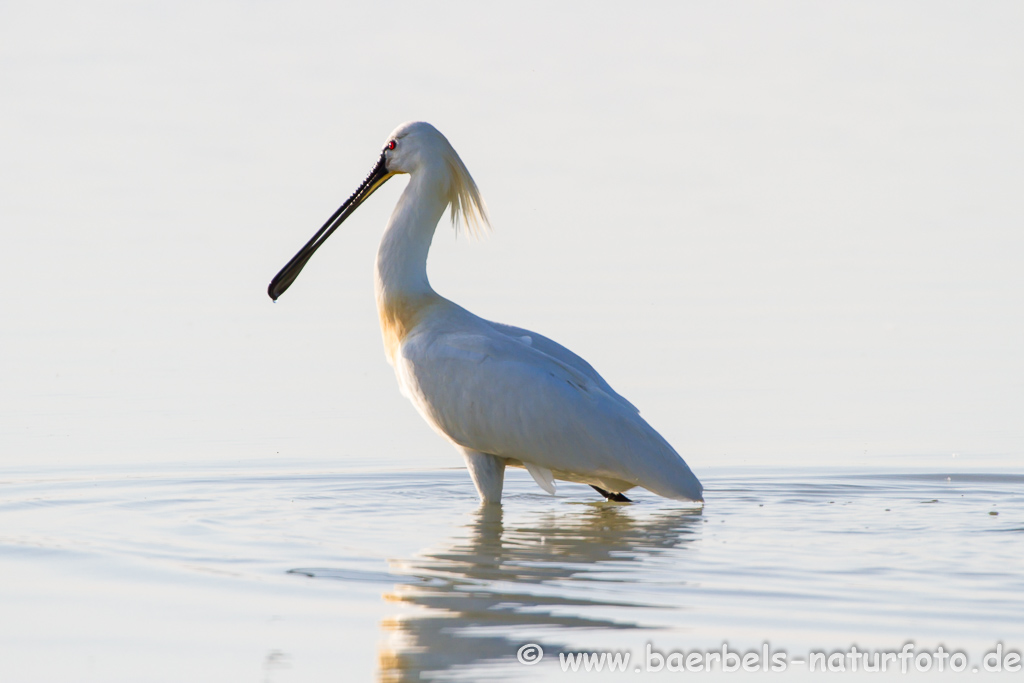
504 396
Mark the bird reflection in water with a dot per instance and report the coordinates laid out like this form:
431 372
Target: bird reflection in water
503 586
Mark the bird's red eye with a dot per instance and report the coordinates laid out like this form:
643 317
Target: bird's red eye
392 144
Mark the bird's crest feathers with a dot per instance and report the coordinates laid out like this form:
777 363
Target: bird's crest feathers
467 206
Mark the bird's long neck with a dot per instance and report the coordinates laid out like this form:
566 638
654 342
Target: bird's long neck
402 288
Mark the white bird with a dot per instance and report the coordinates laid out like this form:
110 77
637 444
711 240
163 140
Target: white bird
504 396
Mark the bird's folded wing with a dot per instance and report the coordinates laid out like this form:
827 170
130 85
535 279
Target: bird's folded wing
564 355
498 395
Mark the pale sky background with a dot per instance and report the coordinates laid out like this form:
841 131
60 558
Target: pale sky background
789 232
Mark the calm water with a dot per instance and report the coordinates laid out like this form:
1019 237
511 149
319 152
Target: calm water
288 573
285 573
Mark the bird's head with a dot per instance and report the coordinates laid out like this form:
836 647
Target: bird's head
413 147
417 146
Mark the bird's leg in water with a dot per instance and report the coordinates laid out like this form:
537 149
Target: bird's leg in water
488 472
616 497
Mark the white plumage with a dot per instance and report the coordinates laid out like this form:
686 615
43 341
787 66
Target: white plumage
503 395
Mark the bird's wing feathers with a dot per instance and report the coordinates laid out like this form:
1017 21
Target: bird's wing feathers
497 394
560 353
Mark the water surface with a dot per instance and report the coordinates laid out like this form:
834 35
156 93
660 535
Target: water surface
302 573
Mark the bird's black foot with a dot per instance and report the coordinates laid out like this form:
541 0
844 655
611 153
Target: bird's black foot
615 497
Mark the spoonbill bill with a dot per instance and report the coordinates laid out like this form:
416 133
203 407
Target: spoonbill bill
504 396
